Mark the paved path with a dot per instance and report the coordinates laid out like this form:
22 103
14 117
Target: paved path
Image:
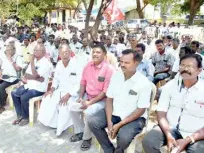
37 139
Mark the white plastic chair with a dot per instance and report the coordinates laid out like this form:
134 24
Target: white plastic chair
32 102
8 91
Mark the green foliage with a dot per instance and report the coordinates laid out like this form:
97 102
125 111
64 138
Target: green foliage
28 9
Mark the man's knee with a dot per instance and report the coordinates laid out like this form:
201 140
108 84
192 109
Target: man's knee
151 140
197 147
124 139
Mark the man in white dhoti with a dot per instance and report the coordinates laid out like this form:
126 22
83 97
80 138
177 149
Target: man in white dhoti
54 110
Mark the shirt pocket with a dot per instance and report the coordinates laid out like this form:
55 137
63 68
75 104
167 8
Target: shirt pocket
100 82
196 108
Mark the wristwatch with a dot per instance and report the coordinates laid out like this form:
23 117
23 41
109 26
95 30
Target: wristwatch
192 139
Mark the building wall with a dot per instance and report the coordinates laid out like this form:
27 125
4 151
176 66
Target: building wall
131 15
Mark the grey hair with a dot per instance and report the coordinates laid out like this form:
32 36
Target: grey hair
40 46
12 47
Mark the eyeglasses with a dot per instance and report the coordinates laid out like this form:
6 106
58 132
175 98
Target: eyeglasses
189 67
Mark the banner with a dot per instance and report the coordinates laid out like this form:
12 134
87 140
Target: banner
113 13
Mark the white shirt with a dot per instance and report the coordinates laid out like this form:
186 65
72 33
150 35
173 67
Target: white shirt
54 54
67 78
44 68
174 52
8 69
75 47
87 50
130 94
120 48
174 98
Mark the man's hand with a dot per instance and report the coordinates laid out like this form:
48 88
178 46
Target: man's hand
64 100
85 104
171 142
24 80
50 92
110 128
115 130
32 58
181 144
80 100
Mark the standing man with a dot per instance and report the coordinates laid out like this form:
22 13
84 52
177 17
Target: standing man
163 62
94 83
180 112
109 46
128 96
35 84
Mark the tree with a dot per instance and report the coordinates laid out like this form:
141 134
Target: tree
192 7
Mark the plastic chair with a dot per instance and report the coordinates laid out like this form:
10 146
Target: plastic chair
139 137
8 91
32 102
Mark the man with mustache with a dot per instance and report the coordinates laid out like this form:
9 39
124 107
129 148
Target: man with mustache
180 112
128 96
94 83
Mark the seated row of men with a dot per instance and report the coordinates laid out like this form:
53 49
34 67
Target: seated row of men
114 99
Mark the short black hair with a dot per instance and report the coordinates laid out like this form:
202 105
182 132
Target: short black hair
176 40
142 46
136 56
53 36
169 37
197 57
187 50
101 47
66 40
196 43
159 41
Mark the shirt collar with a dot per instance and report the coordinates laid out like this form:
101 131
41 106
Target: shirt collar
100 65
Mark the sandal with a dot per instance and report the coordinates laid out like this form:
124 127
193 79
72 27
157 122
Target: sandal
86 145
17 121
76 137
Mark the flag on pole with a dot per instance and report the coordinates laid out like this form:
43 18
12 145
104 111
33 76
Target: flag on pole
113 13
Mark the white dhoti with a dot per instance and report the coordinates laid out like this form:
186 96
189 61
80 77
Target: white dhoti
53 115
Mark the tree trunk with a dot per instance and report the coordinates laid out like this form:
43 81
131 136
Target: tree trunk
94 30
139 10
194 7
88 15
76 10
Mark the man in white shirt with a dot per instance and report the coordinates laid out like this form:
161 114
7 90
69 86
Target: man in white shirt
119 47
54 110
11 64
54 53
111 48
128 96
35 84
180 112
75 45
176 48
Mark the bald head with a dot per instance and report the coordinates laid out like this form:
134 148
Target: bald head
39 51
64 52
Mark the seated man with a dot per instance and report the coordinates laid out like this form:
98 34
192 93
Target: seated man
163 62
128 96
145 66
95 81
36 81
180 112
54 110
11 65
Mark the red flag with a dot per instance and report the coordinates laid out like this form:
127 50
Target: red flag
113 13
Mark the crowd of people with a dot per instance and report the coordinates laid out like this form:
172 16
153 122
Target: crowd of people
107 83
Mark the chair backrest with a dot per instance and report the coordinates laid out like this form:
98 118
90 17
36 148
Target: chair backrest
153 95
